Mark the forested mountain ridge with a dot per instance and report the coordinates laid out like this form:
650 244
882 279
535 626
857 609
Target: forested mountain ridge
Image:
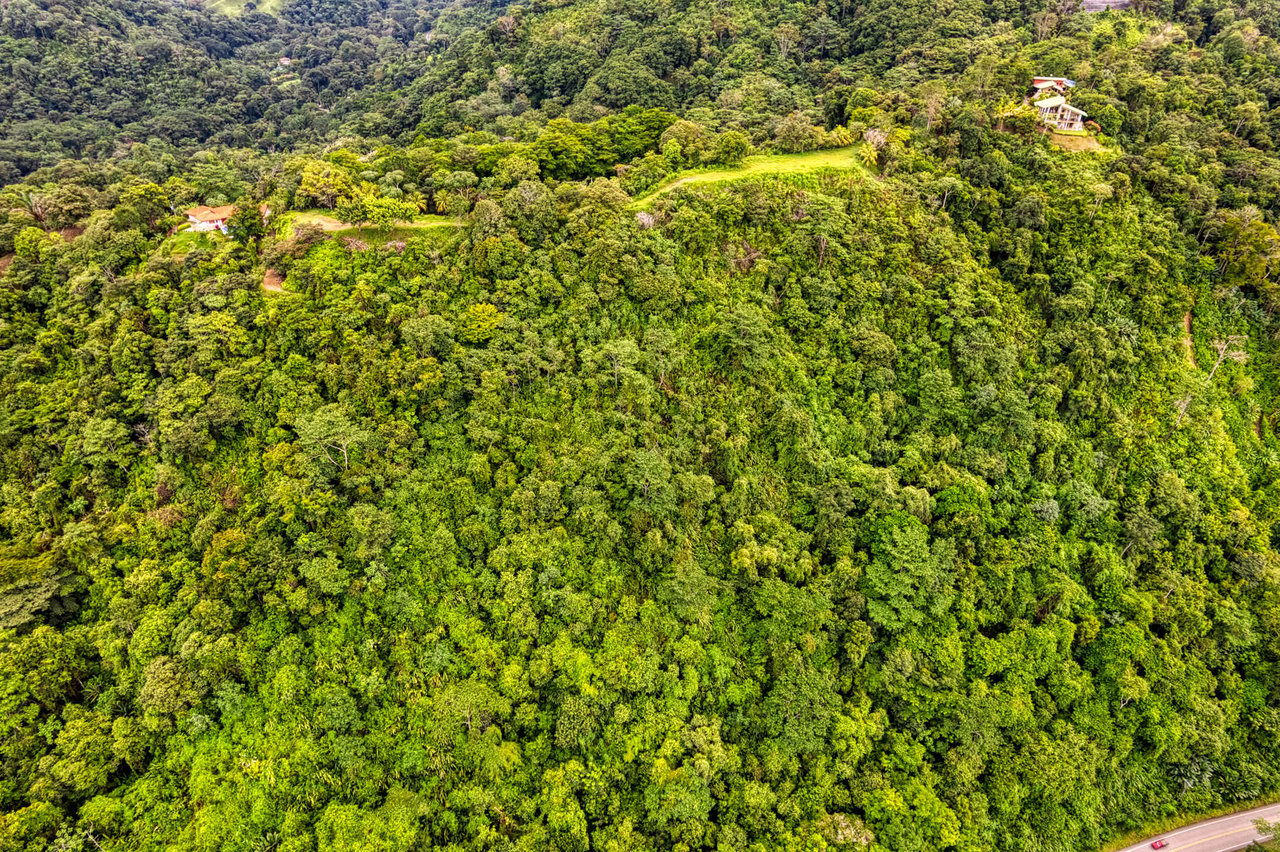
79 80
922 503
83 78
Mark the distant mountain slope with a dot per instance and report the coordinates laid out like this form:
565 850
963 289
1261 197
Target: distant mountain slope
81 80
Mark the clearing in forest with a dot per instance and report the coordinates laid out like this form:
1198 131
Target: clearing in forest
761 164
186 241
1077 144
372 236
235 8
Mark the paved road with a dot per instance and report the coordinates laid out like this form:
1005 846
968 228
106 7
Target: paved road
1221 834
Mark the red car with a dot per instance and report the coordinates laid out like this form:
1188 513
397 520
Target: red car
1159 844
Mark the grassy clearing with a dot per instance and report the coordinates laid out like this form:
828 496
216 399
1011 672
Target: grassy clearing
186 241
761 164
272 281
331 225
418 227
233 8
1073 142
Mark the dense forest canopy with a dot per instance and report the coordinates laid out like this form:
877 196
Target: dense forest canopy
556 453
83 79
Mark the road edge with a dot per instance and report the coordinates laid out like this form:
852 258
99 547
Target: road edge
1180 821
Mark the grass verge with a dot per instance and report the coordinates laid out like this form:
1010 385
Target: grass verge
1163 826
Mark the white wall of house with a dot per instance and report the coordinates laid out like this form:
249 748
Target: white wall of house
1062 118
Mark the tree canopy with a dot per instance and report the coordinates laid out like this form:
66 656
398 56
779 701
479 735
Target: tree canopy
605 494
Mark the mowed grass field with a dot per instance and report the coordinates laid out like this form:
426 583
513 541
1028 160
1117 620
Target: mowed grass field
761 164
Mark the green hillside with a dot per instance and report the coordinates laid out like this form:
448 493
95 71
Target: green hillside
645 427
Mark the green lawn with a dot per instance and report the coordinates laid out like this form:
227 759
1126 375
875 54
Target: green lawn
186 241
761 164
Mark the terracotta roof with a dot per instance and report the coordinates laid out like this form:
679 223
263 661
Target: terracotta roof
210 214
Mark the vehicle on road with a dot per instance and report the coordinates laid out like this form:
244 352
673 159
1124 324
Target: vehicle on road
1159 844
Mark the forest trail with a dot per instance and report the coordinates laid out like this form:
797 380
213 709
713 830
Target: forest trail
273 281
1187 342
762 164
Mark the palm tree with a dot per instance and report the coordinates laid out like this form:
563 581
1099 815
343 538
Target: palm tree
32 203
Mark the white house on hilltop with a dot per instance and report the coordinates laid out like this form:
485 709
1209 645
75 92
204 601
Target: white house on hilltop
1056 112
209 218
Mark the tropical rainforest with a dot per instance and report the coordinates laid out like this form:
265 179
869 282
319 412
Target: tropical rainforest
636 426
